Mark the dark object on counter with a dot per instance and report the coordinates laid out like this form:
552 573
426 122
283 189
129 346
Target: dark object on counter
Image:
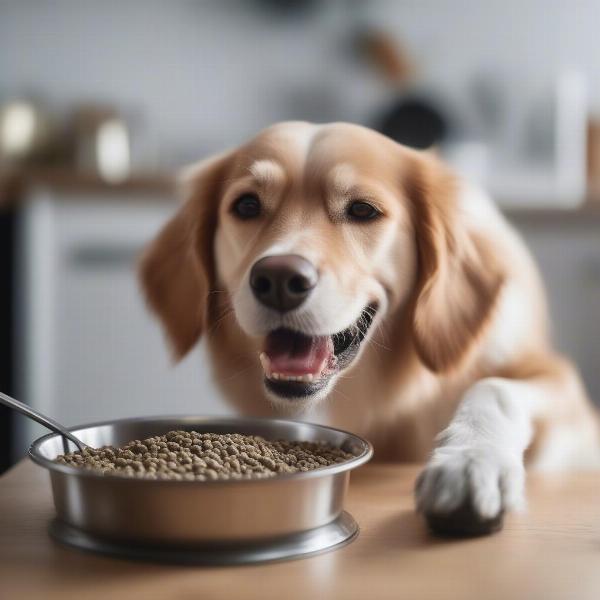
287 8
411 118
414 122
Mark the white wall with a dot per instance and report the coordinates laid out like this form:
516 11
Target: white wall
205 74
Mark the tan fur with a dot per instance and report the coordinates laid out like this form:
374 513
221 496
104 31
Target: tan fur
176 270
460 278
447 276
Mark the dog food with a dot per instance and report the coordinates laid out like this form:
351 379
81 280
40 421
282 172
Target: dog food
188 455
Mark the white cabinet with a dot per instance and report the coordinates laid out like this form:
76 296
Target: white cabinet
90 349
567 249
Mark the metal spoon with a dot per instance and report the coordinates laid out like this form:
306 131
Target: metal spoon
26 410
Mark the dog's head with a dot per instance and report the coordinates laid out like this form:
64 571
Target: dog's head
314 236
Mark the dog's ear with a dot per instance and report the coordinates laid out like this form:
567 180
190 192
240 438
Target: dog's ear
459 278
176 271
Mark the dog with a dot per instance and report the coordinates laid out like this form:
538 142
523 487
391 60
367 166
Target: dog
330 268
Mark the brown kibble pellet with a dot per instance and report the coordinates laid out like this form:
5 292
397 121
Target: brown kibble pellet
193 456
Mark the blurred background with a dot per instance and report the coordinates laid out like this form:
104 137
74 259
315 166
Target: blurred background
102 102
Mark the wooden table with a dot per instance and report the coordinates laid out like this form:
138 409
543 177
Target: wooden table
551 552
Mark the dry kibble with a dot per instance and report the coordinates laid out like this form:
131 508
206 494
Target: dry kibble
193 456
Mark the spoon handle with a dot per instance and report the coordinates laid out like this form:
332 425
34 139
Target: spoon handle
40 418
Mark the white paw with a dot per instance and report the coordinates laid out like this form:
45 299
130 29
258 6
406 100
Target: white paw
485 478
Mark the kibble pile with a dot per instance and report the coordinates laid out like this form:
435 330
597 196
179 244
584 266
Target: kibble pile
188 455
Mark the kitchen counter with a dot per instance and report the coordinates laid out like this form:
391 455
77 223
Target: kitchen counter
551 552
16 184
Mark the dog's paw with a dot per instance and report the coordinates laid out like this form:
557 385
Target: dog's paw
466 491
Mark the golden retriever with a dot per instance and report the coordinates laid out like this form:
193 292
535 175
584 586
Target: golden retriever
334 271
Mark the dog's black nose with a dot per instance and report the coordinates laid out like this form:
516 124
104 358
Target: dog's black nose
283 282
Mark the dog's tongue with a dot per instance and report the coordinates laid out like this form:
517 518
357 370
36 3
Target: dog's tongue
292 353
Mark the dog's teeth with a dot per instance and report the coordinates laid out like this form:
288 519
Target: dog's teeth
265 362
306 378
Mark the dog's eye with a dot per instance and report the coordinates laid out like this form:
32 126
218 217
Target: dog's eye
246 206
359 210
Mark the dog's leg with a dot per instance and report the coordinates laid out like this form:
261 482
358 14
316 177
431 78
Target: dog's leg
477 471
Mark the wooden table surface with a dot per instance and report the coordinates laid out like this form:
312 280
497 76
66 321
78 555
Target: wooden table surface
551 552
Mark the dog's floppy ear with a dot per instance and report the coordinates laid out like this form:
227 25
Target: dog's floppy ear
176 271
459 279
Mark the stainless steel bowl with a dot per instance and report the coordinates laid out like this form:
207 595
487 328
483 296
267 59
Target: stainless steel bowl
212 518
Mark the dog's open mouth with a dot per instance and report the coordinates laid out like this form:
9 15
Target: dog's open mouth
297 365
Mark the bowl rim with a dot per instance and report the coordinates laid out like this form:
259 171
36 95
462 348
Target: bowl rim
35 455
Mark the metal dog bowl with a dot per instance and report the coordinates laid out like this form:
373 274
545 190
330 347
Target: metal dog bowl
208 522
